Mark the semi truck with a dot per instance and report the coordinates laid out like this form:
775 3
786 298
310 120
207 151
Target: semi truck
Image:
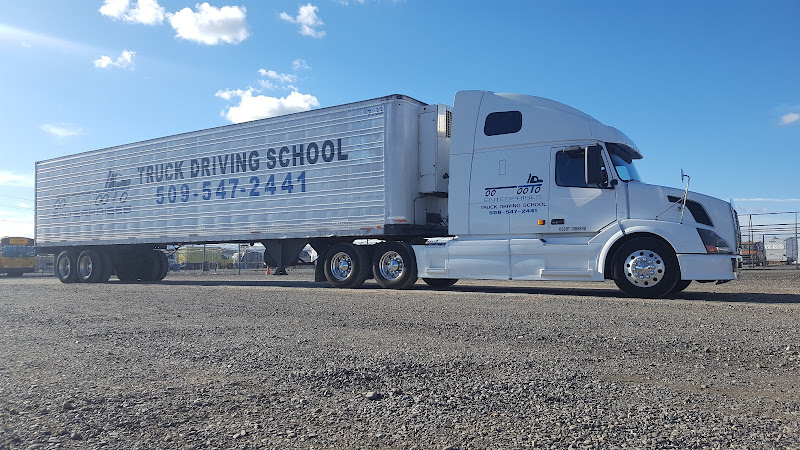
753 253
498 186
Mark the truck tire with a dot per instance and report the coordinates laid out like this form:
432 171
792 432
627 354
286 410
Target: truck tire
90 266
126 269
394 265
680 286
346 266
149 265
645 268
440 283
163 265
108 266
66 267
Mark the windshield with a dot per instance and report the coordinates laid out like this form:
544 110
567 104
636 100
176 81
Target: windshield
623 162
17 251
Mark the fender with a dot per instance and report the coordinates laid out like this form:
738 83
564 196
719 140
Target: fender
675 234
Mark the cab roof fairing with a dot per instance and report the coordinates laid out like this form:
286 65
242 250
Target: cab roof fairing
601 132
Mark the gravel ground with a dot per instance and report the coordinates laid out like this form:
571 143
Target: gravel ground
254 361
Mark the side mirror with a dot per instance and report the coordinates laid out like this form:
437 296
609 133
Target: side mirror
594 165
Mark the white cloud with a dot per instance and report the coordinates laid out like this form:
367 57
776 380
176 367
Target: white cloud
253 107
210 25
786 119
24 44
114 8
229 94
147 12
308 21
16 223
282 77
62 130
12 179
266 84
300 64
124 61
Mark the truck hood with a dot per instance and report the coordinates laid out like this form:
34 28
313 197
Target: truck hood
651 202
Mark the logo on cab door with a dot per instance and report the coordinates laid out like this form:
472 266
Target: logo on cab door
533 185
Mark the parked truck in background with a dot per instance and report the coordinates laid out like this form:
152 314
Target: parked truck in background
753 253
501 186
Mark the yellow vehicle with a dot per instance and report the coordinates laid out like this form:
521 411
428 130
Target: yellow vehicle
17 256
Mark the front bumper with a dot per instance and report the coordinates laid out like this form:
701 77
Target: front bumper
710 267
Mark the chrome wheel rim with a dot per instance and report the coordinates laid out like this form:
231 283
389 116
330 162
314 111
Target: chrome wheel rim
85 267
64 267
391 265
644 268
341 265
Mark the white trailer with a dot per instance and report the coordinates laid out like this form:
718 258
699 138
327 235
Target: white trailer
501 186
775 249
334 173
792 252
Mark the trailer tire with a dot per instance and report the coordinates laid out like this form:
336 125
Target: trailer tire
346 266
108 266
148 265
66 267
440 283
90 266
646 268
126 270
163 265
394 265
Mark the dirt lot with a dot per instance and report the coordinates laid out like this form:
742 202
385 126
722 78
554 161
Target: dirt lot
250 361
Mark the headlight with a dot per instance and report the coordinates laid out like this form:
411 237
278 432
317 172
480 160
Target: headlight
714 243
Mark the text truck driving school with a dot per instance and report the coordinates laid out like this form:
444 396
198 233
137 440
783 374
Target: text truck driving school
500 186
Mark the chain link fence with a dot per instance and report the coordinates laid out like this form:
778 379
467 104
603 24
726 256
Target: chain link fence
770 239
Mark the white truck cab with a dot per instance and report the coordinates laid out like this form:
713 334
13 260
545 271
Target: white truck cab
541 191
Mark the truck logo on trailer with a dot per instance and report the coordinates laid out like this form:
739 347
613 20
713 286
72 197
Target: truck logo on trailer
115 189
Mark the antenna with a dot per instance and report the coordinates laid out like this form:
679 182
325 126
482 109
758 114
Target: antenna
685 192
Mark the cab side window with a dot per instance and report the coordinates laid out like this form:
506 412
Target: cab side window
506 122
570 170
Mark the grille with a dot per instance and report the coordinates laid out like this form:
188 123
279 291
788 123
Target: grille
738 231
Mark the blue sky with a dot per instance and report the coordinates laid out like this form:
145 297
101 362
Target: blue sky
710 87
